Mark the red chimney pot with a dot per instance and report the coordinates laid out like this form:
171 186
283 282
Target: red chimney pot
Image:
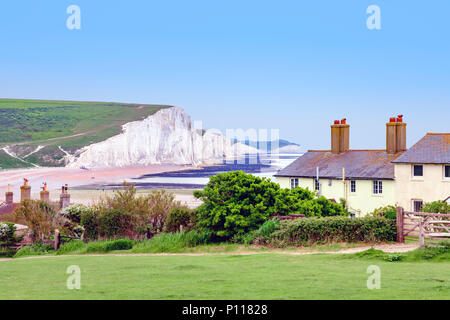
336 121
392 119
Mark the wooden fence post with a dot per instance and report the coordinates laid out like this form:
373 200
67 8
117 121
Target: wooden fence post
400 225
57 239
421 233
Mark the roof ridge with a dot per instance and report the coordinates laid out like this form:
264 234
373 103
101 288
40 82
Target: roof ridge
437 134
348 150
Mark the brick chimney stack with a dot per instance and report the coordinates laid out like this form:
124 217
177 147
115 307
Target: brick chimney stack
9 196
64 198
395 135
340 136
25 191
45 194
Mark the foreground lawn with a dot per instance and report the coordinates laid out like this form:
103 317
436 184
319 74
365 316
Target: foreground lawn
259 276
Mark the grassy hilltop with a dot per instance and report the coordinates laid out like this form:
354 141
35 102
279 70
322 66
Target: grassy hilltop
54 125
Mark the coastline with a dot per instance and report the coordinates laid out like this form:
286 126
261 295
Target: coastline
58 176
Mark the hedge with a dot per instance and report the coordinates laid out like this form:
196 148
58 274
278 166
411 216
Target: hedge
306 231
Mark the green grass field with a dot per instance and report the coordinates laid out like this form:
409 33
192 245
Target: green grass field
222 276
26 124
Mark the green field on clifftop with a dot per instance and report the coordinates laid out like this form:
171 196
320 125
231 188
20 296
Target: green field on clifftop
56 125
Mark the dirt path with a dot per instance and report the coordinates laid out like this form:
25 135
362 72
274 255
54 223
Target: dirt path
398 248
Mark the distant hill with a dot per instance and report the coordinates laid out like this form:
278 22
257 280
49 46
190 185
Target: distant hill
41 132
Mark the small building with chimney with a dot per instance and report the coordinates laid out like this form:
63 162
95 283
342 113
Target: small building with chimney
364 179
422 174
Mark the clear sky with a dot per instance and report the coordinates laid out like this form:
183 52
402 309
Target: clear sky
292 65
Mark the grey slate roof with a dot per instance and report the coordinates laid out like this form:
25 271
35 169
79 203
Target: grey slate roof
433 148
358 164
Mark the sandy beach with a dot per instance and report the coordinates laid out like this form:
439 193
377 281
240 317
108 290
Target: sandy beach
57 177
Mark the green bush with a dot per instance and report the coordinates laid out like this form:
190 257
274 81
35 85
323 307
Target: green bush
79 247
307 231
35 249
119 244
114 223
7 253
180 216
74 212
72 246
146 212
235 203
436 207
7 234
90 222
173 242
263 233
109 223
389 212
106 246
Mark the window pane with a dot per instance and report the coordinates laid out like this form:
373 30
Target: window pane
418 205
353 186
447 171
380 186
418 171
375 187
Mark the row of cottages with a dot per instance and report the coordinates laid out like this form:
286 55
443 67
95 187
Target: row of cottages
369 179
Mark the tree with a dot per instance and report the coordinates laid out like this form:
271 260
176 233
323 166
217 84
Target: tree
40 217
235 203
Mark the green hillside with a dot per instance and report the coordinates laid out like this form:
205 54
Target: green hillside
56 125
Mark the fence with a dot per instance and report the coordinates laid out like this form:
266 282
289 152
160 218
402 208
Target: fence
422 225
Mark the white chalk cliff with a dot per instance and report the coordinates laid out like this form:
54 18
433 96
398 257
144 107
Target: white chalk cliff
166 137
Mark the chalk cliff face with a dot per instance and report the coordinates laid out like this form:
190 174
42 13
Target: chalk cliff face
164 137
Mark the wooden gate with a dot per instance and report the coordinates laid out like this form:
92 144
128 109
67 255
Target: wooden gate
422 225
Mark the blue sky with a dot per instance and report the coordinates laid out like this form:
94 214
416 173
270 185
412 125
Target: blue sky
292 65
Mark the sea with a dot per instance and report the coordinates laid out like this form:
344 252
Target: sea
196 178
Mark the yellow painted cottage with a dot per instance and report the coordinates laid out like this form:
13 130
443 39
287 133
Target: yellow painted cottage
422 174
363 178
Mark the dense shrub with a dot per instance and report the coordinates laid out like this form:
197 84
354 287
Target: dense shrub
90 222
72 246
72 215
389 212
308 231
7 234
40 217
436 207
114 223
181 216
74 212
235 203
106 246
7 252
262 234
119 244
173 242
146 212
79 247
37 248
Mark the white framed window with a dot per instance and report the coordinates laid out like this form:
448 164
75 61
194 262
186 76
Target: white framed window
294 183
417 205
417 171
447 172
377 187
352 186
316 185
